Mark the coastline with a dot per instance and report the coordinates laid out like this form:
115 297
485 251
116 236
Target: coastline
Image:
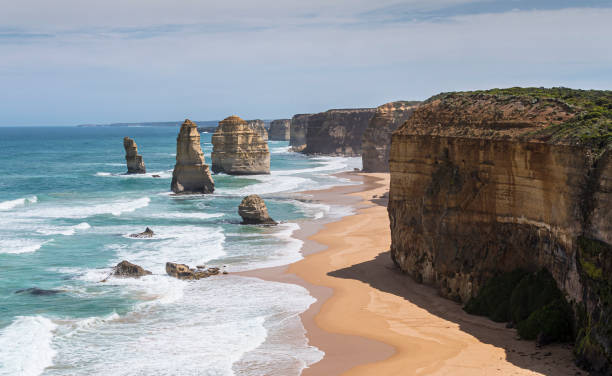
369 318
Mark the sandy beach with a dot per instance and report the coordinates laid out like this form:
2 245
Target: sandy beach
370 319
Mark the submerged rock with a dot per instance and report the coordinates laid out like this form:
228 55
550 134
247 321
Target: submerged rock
280 130
135 164
238 149
191 174
147 233
37 292
182 271
253 211
259 126
127 269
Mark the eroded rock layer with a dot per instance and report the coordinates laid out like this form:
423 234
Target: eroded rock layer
238 149
491 182
376 141
191 174
135 164
280 130
337 132
259 126
298 130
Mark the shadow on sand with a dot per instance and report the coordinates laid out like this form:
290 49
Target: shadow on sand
383 275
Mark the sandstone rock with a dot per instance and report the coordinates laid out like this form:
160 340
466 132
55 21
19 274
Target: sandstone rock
481 183
280 130
135 164
376 141
238 149
253 210
191 173
259 126
298 131
127 269
147 233
182 271
337 132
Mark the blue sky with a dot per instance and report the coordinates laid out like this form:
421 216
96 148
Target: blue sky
67 62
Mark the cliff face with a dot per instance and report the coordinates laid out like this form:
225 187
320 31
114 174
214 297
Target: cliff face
259 126
135 164
298 130
376 141
191 174
337 131
483 183
238 149
280 130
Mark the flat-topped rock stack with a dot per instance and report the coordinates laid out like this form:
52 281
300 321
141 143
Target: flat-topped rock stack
298 131
259 126
376 140
280 130
238 149
191 174
135 164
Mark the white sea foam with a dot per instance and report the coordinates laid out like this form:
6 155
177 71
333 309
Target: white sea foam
66 230
268 184
77 210
328 164
26 346
180 215
8 205
21 245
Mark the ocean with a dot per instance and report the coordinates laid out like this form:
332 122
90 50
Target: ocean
66 210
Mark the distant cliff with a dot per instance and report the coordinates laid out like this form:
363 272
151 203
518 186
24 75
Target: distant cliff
280 130
298 130
337 131
489 182
376 140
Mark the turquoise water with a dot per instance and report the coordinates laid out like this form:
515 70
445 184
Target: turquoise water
65 212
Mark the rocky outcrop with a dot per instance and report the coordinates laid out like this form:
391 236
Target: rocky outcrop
182 271
135 164
253 211
191 173
298 130
127 269
337 132
280 130
147 233
238 149
490 182
376 140
259 126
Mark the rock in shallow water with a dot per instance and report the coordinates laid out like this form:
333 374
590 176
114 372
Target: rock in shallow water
135 164
127 269
253 210
37 292
182 271
147 233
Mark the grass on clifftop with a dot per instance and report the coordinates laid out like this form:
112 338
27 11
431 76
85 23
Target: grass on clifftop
592 125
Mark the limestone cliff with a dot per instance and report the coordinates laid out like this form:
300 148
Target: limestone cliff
298 130
488 182
238 149
135 164
280 130
259 126
337 131
191 173
376 141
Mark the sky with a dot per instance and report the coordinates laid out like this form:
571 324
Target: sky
68 62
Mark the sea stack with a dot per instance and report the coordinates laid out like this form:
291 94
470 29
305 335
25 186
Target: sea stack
298 131
135 164
191 174
376 140
259 126
280 130
238 149
253 211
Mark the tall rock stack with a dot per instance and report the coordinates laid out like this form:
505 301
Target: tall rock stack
280 130
238 149
376 141
191 173
135 164
259 126
298 130
337 132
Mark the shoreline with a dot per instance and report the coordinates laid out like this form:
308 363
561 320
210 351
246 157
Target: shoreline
369 318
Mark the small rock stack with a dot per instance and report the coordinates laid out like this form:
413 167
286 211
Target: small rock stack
135 164
253 211
238 149
191 173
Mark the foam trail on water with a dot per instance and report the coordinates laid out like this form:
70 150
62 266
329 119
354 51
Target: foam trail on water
11 204
21 245
76 210
26 346
67 231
